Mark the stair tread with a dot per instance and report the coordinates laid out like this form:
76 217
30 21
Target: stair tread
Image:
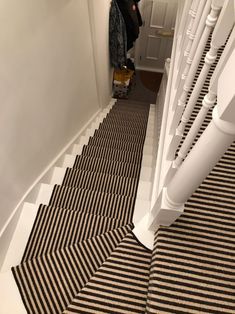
55 228
120 168
120 284
131 101
116 144
125 129
100 181
112 154
128 116
49 283
129 112
134 123
118 136
106 204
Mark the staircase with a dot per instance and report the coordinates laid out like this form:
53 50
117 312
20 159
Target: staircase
82 254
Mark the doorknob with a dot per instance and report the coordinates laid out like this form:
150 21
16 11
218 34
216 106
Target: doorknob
163 33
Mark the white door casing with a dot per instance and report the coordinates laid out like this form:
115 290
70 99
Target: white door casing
156 37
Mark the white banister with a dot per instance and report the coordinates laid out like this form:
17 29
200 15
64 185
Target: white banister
207 103
180 103
219 37
194 27
193 49
210 147
184 18
191 16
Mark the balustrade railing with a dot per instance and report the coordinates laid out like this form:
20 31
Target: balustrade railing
183 170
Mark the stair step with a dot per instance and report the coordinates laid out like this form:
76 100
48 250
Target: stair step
44 194
123 169
114 143
77 149
100 182
54 279
58 175
56 228
120 283
130 123
110 134
128 116
122 129
68 161
106 204
112 154
20 237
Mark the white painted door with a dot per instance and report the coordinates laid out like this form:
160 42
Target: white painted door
155 42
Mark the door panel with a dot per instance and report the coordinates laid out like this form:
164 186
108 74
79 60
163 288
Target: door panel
156 38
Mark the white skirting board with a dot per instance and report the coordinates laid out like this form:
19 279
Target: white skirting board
7 234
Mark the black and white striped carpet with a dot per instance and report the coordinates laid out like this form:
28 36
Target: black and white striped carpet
82 256
193 265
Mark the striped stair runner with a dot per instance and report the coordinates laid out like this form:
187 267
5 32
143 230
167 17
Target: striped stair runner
193 265
81 256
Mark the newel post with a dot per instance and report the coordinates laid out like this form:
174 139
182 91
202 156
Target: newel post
210 147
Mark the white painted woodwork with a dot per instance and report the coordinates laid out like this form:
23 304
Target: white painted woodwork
44 194
210 147
183 20
192 34
20 237
77 148
143 233
68 161
11 301
142 207
228 49
208 102
181 78
179 104
155 42
219 37
190 21
58 176
144 190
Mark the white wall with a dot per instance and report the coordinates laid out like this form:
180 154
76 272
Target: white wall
47 88
99 11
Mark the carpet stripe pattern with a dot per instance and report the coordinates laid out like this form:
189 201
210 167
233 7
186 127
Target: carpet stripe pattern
49 282
125 274
83 239
193 265
105 204
107 166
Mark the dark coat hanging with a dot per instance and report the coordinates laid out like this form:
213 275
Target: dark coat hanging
117 37
132 18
